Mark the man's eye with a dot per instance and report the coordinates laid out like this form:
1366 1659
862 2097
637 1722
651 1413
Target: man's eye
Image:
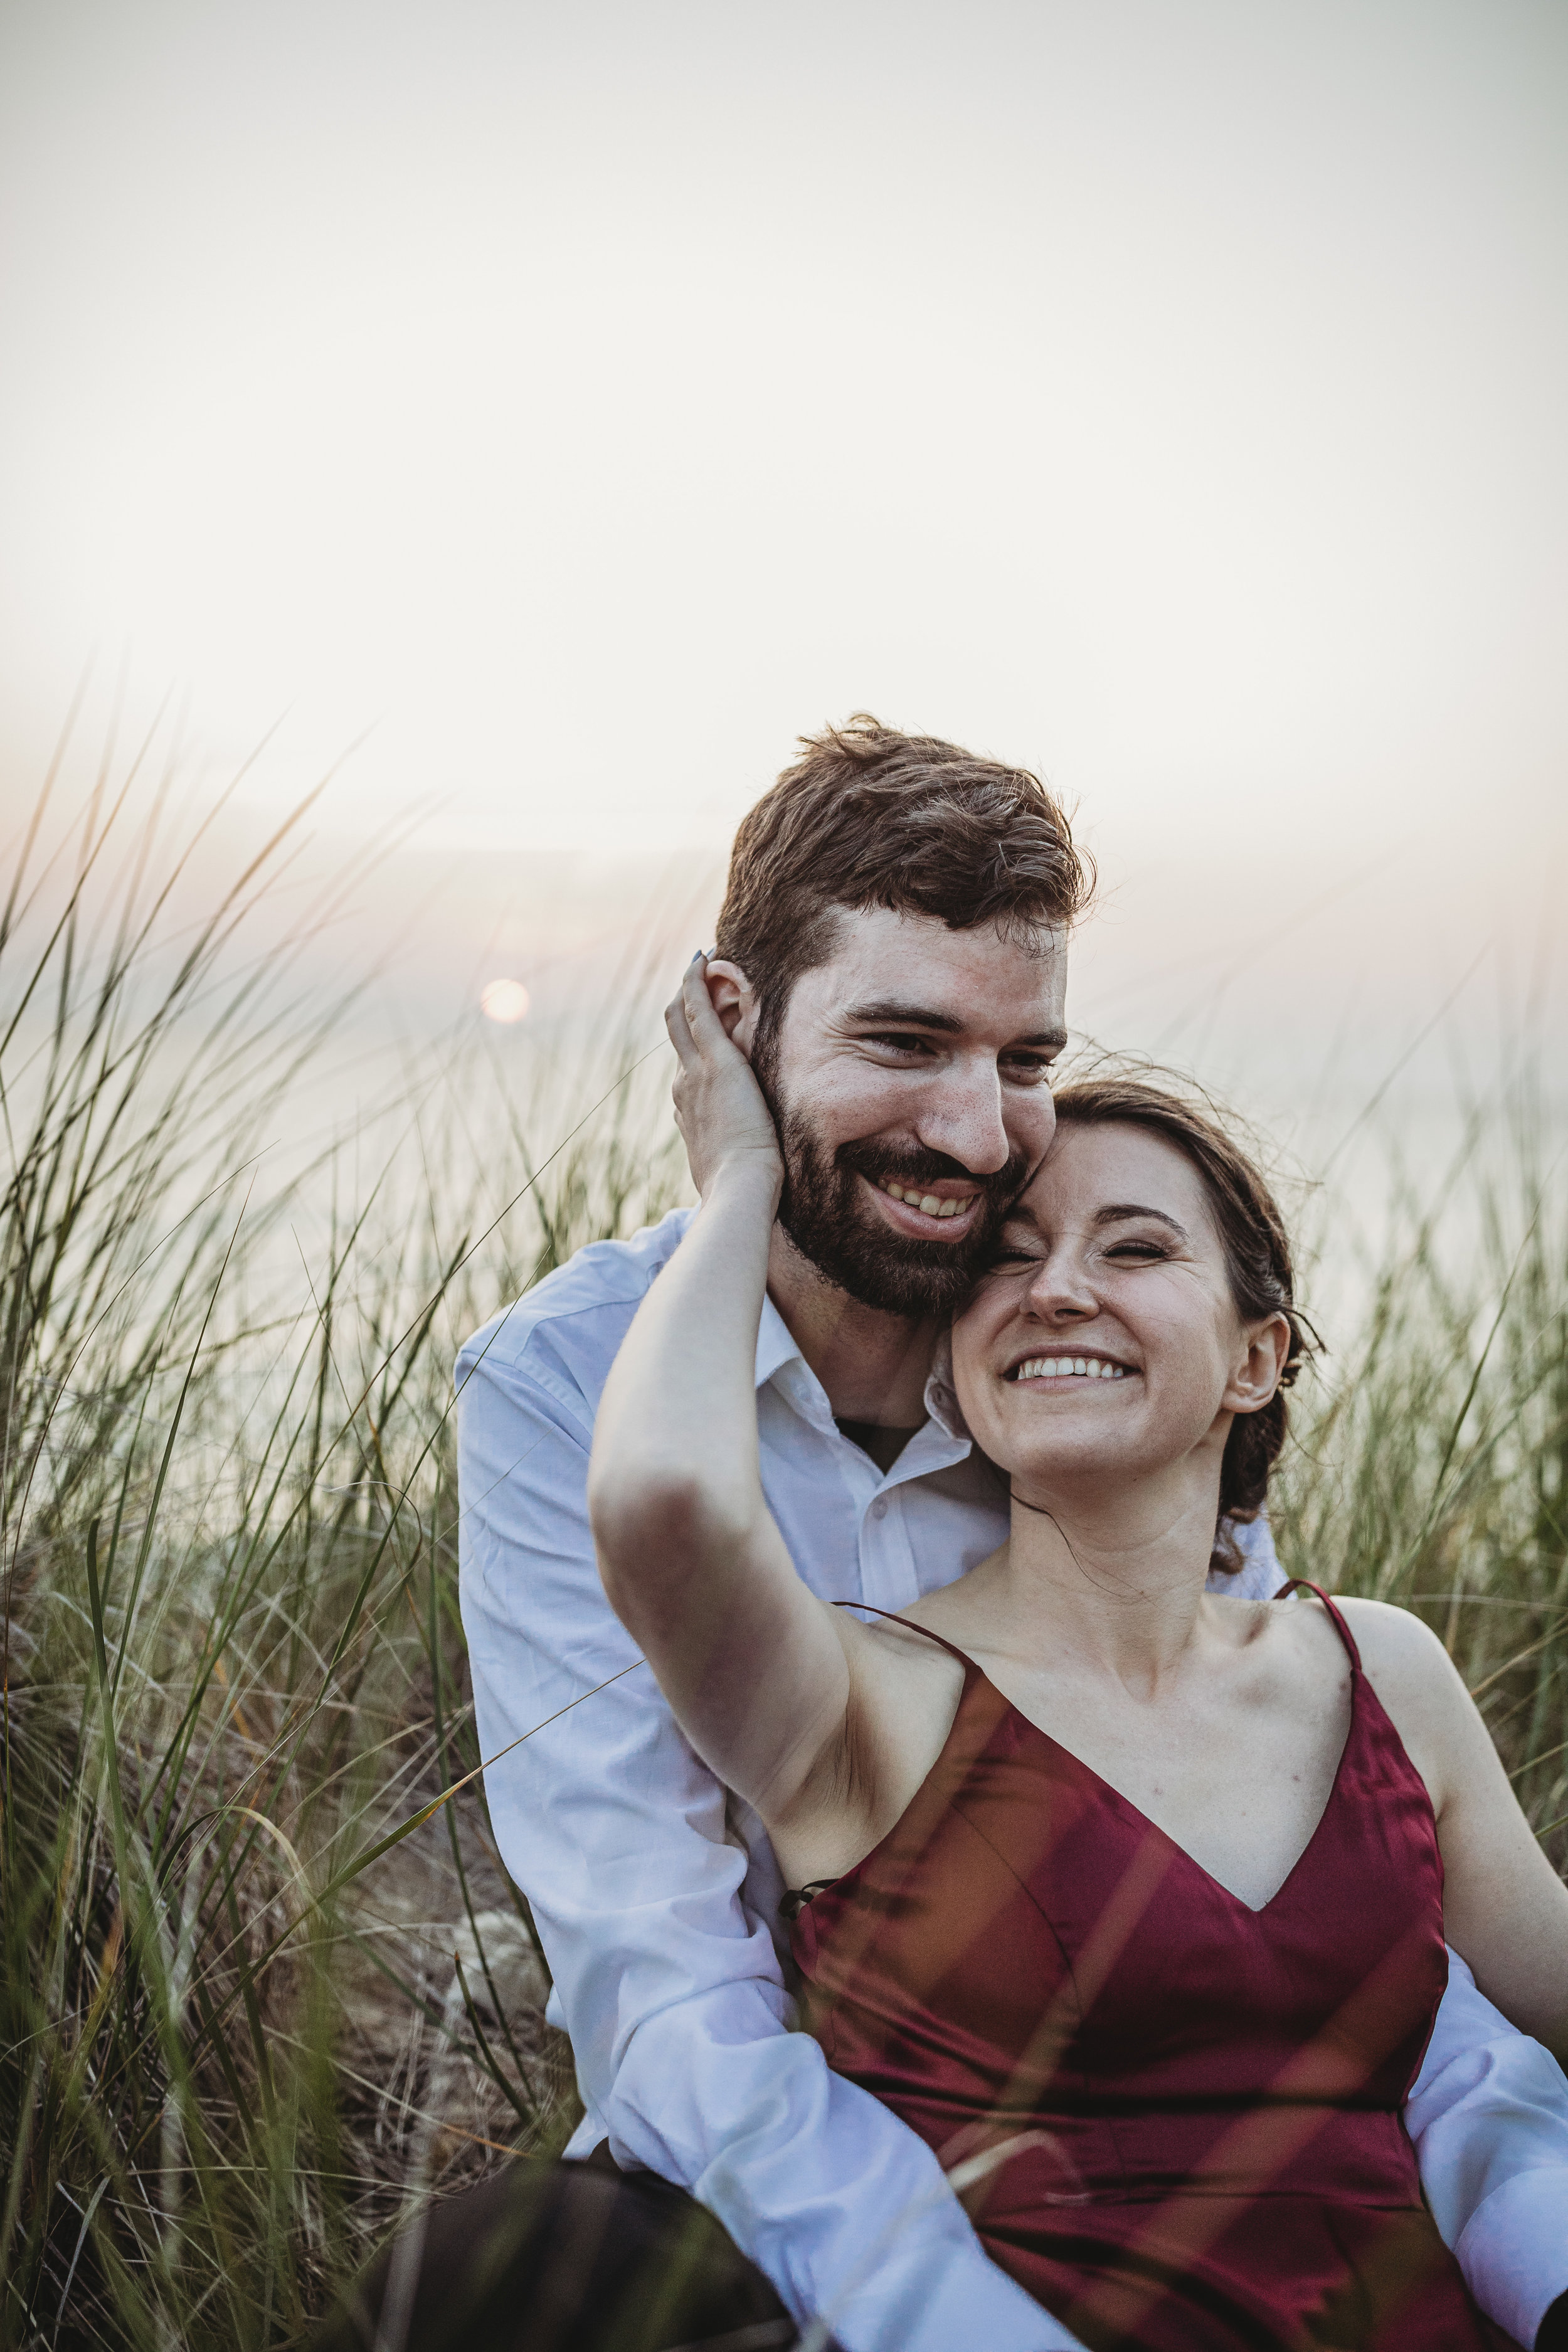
896 1043
1027 1069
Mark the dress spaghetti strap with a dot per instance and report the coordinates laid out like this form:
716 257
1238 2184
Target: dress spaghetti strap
1344 1631
894 1619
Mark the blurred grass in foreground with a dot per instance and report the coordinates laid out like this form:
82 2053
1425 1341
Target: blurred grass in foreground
257 1995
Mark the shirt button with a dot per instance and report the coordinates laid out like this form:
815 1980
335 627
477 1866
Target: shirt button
879 1510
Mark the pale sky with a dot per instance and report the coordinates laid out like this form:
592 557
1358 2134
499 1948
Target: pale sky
1168 393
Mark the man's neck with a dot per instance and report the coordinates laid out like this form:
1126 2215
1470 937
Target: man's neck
874 1366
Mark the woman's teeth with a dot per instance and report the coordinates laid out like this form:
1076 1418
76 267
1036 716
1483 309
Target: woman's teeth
1081 1368
927 1202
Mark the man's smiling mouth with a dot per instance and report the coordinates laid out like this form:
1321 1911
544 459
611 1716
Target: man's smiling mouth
930 1205
939 1205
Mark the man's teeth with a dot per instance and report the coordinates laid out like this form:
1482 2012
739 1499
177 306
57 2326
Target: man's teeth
927 1202
1081 1368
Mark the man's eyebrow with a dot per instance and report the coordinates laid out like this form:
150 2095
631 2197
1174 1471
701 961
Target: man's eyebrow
892 1012
1120 1211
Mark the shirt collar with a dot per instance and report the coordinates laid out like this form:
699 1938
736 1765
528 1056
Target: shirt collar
941 1397
776 1348
775 1343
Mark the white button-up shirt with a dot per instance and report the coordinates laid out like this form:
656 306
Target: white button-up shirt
656 1894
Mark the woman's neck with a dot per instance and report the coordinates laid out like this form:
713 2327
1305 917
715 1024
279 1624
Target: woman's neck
1120 1581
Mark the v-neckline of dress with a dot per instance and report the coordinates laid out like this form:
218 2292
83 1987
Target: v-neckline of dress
974 1675
977 1672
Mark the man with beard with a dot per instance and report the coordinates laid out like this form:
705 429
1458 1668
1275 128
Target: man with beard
892 956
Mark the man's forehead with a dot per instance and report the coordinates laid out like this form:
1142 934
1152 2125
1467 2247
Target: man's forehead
883 958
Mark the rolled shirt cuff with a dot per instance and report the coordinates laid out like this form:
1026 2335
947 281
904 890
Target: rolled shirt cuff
1513 2250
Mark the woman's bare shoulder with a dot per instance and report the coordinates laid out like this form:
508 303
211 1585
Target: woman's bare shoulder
890 1656
1395 1641
1398 1652
1274 1630
1424 1696
1379 1628
1401 1656
924 1635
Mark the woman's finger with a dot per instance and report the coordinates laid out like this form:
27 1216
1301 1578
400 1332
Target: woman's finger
679 1029
708 1031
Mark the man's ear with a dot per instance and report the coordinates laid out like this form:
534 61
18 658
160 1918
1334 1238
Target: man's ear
731 996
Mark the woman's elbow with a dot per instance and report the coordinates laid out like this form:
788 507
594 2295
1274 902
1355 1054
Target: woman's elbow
656 1527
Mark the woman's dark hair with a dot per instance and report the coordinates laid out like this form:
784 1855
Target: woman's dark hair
1257 1256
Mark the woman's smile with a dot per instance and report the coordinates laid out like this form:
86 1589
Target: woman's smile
1054 1368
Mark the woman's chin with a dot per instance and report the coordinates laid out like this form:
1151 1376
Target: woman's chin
1058 1452
1040 1472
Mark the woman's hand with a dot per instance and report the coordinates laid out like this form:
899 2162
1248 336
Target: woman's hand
718 1106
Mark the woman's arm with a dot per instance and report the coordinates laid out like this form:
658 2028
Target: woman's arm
1505 1909
753 1665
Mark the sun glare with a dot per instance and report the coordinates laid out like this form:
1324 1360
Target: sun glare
505 999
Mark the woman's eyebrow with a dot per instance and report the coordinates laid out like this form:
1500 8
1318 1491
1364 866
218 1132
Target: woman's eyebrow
1120 1211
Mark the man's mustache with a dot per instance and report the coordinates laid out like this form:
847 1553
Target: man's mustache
908 1164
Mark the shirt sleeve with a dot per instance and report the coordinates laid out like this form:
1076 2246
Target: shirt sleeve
1489 2116
671 1993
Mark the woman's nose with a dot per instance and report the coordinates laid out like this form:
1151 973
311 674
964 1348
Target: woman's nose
1060 1291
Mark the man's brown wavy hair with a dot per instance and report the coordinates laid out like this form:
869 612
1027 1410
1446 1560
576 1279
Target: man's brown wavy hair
870 818
1257 1255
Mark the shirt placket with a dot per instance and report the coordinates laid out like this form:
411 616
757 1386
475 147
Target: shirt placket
888 1563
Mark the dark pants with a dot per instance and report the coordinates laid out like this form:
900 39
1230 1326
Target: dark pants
562 2258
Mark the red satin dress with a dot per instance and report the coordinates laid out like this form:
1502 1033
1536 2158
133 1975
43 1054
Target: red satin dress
1194 2108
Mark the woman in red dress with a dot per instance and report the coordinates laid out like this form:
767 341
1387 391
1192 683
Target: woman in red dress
1132 1900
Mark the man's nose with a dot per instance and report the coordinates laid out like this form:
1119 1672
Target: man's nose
962 1116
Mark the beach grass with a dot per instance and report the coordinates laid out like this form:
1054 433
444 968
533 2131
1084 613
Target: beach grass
1429 1466
265 1985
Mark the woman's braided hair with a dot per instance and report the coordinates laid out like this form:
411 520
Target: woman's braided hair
1257 1255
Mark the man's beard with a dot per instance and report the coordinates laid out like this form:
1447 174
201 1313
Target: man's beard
822 1212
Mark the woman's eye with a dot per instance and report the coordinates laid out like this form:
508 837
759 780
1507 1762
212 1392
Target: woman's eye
1010 1257
1141 1253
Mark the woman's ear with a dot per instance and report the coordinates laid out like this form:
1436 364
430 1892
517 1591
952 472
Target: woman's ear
1256 1376
730 994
